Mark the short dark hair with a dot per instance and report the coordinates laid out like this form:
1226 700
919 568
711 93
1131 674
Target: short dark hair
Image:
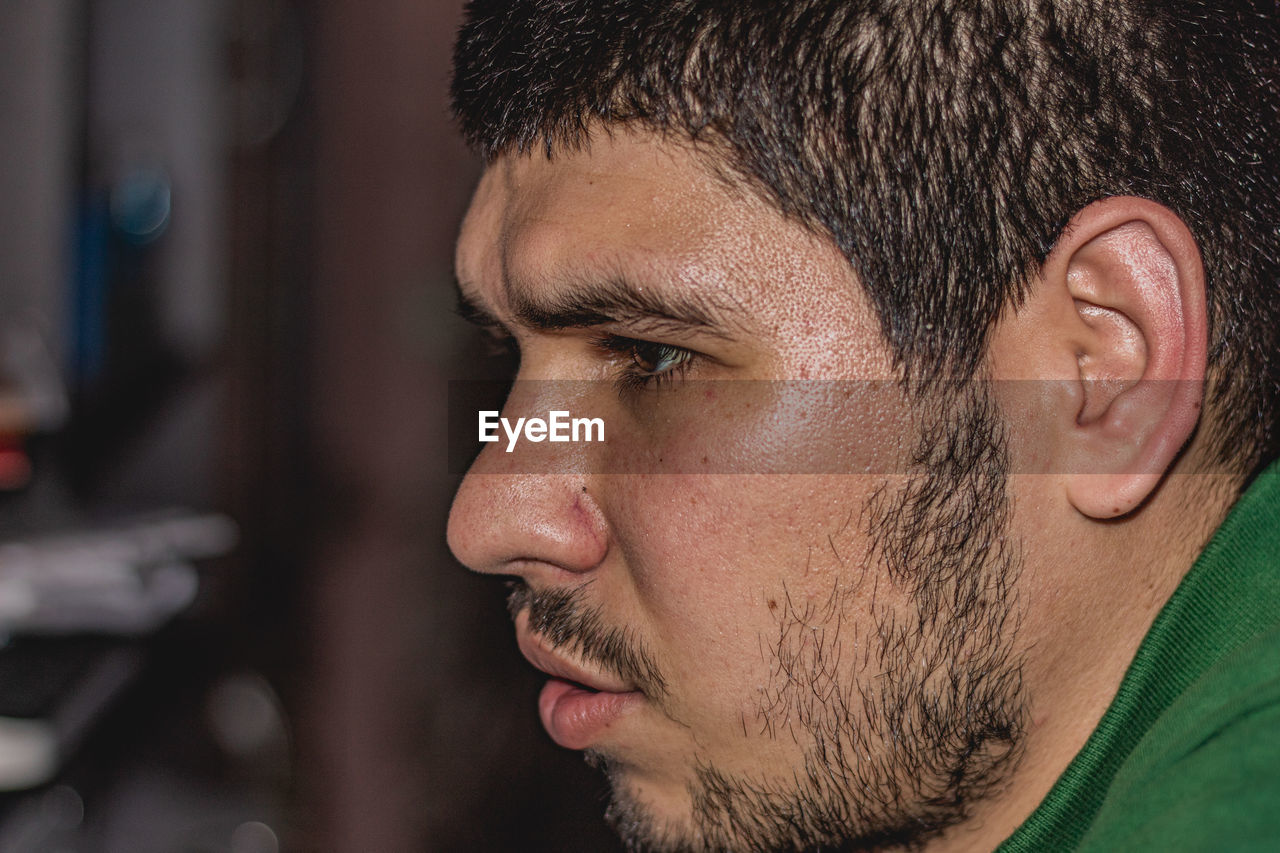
941 144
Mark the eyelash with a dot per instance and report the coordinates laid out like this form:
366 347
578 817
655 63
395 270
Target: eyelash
633 375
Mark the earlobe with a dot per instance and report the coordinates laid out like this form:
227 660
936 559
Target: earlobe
1134 274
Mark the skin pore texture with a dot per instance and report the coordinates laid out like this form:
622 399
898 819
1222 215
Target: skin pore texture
903 658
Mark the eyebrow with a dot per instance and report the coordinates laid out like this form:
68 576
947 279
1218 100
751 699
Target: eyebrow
601 301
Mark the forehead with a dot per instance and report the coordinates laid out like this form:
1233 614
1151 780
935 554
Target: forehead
634 206
627 200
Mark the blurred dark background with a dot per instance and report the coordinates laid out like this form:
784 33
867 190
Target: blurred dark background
228 616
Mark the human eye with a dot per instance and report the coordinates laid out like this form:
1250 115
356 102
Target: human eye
493 355
646 364
496 352
499 346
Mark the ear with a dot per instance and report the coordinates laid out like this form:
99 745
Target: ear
1118 310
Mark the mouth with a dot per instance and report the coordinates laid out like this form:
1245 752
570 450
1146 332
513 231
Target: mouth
577 706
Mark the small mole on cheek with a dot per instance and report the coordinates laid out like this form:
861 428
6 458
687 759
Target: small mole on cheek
773 605
584 490
704 460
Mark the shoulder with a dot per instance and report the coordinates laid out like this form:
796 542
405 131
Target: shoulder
1206 776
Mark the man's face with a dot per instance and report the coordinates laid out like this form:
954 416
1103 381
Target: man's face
759 660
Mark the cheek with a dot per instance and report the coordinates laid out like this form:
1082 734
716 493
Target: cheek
756 427
711 572
690 560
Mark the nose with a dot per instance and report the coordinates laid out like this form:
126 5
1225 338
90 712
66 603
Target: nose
528 509
505 521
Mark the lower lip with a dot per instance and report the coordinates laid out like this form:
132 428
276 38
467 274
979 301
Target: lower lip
575 718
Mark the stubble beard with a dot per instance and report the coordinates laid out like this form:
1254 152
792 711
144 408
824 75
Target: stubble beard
901 743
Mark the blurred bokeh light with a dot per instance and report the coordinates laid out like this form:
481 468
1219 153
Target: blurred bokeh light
229 620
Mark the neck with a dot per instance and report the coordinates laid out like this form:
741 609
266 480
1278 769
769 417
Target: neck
1087 608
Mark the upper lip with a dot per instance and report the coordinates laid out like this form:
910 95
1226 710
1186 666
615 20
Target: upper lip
544 658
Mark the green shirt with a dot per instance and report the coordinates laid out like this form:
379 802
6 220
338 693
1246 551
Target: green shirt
1187 757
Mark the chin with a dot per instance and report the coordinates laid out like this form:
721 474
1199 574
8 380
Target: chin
650 812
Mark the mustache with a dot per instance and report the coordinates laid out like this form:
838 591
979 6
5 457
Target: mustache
563 619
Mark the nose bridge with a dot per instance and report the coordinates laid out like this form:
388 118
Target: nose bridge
521 438
525 504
